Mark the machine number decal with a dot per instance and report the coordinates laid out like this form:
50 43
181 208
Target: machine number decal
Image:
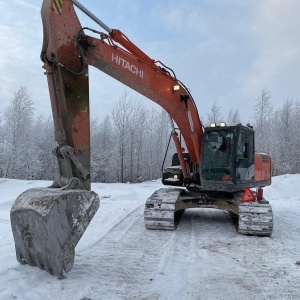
57 6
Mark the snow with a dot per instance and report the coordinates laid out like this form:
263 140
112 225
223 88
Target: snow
205 258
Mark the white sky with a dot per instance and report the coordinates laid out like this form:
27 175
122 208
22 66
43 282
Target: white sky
224 51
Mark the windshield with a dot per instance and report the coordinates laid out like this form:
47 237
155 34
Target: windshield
216 156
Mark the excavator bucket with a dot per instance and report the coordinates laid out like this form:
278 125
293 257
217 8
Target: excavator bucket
48 223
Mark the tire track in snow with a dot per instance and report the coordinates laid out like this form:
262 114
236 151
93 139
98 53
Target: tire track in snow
266 259
123 264
280 254
196 254
105 234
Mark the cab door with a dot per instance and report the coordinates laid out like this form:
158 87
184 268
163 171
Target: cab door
244 163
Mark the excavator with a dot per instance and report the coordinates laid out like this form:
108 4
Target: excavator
220 168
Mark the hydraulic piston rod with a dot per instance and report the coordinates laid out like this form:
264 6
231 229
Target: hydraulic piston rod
116 35
92 16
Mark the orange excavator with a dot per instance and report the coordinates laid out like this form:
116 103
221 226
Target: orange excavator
220 168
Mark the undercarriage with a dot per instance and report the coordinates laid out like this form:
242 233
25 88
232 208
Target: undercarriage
165 207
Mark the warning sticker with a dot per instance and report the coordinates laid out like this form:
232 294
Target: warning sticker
57 6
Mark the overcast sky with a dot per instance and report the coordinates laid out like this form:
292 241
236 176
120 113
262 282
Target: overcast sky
223 51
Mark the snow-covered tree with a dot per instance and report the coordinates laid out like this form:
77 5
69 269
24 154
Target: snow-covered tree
285 138
130 144
18 118
215 114
296 136
233 116
45 166
103 151
121 115
263 113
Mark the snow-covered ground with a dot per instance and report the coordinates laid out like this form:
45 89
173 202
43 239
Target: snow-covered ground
205 258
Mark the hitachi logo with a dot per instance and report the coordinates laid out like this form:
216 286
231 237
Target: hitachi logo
125 64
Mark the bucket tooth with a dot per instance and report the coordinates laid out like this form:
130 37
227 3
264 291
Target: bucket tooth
48 223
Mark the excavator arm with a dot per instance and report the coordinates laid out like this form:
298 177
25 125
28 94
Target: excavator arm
67 76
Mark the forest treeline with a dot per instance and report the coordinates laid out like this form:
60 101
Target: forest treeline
130 144
127 146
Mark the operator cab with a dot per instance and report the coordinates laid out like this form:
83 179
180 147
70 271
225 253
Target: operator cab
227 157
227 161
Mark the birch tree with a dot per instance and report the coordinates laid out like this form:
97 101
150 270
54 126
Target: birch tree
233 116
263 113
45 165
215 114
285 146
103 151
121 115
296 136
18 118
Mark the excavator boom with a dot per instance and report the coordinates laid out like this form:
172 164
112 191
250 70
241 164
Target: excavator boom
68 51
